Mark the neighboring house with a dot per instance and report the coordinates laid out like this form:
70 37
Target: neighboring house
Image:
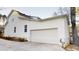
50 30
3 19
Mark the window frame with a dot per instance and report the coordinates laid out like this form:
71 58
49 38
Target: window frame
25 28
14 29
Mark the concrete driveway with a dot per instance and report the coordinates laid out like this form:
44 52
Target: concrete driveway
6 45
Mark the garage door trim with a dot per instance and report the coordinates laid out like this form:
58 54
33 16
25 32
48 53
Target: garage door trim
45 30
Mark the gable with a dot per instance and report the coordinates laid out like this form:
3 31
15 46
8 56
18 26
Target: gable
15 14
19 15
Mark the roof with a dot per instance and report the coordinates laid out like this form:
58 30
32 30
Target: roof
55 17
3 16
22 14
34 18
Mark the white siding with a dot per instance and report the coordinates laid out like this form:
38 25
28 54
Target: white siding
19 24
60 23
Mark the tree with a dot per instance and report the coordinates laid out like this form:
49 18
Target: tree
74 29
65 10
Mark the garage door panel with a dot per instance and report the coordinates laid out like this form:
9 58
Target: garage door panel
45 36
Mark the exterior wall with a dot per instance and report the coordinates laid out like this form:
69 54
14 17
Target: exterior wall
60 23
19 24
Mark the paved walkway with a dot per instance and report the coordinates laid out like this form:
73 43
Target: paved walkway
6 45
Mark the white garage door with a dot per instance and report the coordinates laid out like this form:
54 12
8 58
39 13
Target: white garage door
45 36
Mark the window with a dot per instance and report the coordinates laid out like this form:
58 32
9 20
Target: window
25 28
14 29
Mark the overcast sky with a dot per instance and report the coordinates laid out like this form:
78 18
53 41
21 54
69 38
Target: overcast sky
42 12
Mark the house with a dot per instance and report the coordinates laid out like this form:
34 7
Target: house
3 19
53 30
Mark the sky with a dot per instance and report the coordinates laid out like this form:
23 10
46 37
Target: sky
42 12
